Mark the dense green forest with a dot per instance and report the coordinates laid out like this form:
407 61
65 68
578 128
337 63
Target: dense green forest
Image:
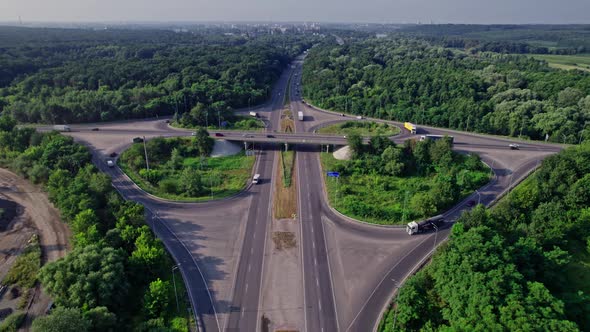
118 274
522 266
68 75
412 80
389 184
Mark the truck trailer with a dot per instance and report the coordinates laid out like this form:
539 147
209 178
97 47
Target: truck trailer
436 137
425 225
62 128
411 127
300 116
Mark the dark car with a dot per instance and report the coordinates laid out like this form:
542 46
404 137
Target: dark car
113 155
471 203
95 129
270 136
137 140
219 134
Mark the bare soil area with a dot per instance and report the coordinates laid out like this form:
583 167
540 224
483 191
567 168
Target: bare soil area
32 213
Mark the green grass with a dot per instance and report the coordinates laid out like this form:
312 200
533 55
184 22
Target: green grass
287 162
221 177
381 199
567 62
24 271
362 128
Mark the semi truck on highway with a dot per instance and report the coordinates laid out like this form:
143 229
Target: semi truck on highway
425 225
254 114
256 178
411 127
62 128
436 137
300 115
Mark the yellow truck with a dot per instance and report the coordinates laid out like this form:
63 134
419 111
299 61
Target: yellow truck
410 127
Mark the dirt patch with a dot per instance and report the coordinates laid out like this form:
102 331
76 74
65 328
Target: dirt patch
34 215
284 240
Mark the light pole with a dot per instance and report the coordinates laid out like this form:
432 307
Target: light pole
174 282
147 164
581 132
435 236
478 197
395 303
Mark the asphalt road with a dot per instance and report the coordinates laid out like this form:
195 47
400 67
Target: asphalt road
331 243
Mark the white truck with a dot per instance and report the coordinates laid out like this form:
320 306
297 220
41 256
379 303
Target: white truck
300 116
425 225
254 114
256 178
62 128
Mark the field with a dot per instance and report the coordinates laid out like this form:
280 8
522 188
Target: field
383 199
566 62
362 128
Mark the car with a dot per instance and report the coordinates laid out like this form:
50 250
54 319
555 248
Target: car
471 203
94 129
514 146
167 121
218 135
137 140
110 163
113 155
341 114
270 136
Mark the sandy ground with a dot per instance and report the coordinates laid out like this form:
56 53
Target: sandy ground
343 153
37 215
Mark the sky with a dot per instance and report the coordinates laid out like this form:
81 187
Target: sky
376 11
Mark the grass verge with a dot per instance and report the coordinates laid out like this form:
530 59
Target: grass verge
362 128
285 197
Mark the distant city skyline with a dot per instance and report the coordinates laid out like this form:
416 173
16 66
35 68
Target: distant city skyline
369 11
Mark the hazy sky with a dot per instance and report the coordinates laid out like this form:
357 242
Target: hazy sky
396 11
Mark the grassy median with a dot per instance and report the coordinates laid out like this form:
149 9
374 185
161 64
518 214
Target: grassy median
362 128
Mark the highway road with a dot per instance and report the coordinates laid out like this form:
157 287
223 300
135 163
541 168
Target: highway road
350 269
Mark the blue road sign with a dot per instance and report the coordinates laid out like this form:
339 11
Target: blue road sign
333 174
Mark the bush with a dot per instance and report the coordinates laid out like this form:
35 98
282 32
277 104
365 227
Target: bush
170 186
12 322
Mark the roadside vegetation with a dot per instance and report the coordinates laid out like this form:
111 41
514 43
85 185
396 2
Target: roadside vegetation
522 265
362 128
181 169
285 199
117 269
408 79
388 184
24 271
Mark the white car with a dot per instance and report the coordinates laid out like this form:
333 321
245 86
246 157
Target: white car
110 163
514 146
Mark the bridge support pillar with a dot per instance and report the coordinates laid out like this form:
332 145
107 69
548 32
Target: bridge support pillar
286 147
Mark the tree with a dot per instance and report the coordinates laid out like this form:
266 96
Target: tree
157 298
62 320
87 277
355 142
191 183
424 204
202 143
392 158
101 319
